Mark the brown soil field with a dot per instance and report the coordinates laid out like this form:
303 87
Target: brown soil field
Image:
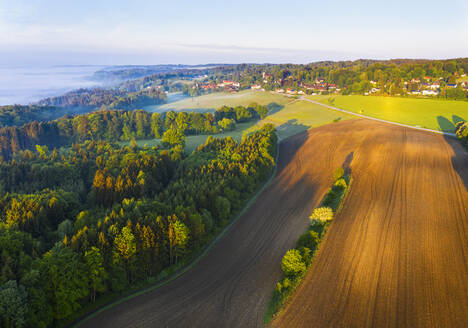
395 256
397 253
232 284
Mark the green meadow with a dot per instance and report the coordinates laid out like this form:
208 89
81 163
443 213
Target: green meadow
290 116
298 116
218 99
433 114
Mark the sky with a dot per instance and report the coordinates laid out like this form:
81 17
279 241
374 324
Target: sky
71 32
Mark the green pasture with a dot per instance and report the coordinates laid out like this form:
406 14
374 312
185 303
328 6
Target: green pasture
432 114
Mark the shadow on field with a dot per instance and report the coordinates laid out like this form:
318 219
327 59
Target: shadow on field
460 159
289 147
347 163
456 119
274 108
291 128
445 124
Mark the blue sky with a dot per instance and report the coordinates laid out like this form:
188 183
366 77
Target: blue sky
152 32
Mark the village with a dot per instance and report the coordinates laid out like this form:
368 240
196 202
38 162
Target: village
415 87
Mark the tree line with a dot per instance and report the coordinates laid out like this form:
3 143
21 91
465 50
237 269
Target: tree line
107 98
97 218
296 261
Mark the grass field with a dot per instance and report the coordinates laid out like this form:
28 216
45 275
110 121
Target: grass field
433 114
288 115
298 116
215 100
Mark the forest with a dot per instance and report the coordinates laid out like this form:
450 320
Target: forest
97 218
115 125
12 115
107 98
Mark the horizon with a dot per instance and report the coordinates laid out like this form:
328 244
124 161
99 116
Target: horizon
118 33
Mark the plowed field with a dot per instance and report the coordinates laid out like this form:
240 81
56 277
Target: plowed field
395 256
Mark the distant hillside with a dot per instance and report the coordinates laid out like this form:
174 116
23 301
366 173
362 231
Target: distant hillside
129 72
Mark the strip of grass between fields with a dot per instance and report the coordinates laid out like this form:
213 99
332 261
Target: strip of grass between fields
172 272
296 261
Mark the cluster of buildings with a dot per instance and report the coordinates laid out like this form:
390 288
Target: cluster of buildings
226 85
427 88
319 86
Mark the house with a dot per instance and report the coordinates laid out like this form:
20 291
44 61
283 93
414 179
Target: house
331 86
308 86
226 83
279 90
300 92
255 87
415 92
374 90
208 86
435 86
430 93
451 85
291 91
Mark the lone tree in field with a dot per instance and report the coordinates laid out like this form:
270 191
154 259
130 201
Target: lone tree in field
321 215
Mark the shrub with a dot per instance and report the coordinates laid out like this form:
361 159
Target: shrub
279 287
293 263
321 215
339 172
227 124
310 240
306 255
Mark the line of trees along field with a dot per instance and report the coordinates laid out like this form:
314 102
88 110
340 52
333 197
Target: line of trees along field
123 126
97 218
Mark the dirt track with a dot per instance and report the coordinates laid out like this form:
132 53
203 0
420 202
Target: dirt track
396 256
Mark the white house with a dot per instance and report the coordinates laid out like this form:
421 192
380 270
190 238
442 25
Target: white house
430 93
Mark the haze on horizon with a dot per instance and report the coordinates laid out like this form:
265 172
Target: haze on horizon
58 32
